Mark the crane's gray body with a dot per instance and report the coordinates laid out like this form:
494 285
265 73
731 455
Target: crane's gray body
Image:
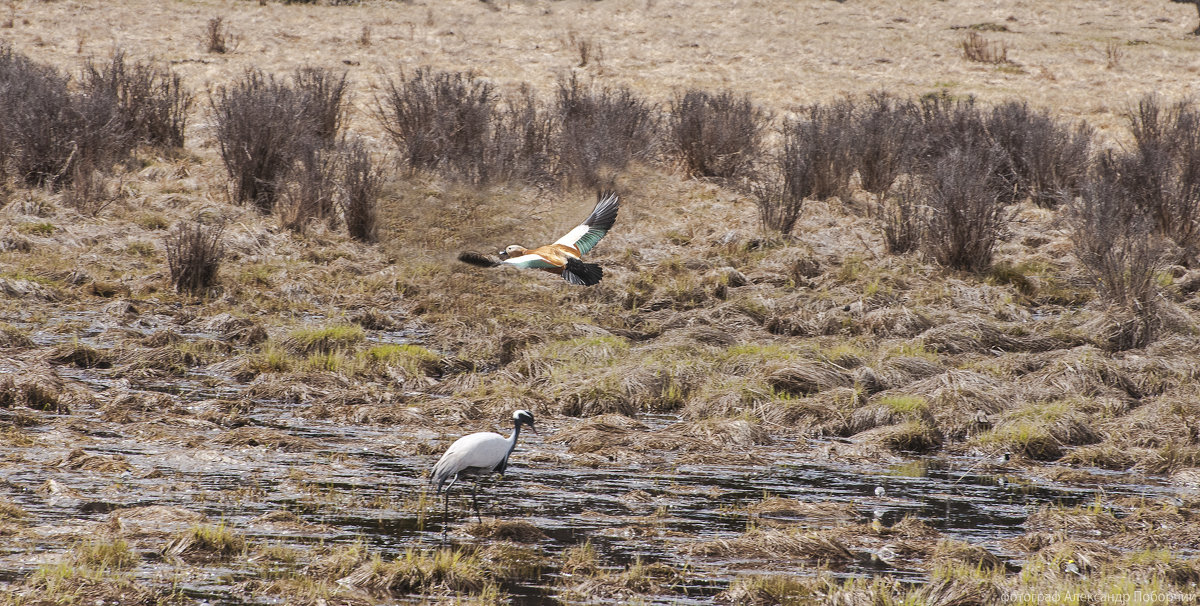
478 454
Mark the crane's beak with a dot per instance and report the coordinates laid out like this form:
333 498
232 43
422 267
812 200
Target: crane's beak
503 254
534 429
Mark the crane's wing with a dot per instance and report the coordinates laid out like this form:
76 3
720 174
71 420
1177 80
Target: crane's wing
587 234
529 262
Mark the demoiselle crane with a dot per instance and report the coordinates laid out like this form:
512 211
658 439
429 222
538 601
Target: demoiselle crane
476 455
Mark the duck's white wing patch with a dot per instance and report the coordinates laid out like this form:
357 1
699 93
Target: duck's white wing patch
573 236
585 236
529 262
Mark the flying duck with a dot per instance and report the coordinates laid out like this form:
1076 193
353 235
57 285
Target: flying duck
563 256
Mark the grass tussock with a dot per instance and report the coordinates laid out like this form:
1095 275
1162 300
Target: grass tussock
458 570
206 542
326 339
111 555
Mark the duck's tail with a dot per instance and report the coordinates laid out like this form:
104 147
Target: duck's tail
477 259
583 274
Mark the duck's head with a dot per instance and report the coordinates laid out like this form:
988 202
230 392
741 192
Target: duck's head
524 417
512 250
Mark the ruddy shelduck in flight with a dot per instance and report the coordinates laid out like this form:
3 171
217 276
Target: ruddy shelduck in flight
564 257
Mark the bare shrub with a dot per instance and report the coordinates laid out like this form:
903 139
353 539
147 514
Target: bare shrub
325 98
218 36
1042 159
522 141
260 135
439 120
194 252
89 191
901 218
947 123
777 209
965 218
151 102
804 168
816 152
601 130
361 185
589 52
716 135
1112 54
307 195
48 130
885 138
1114 241
977 48
1162 175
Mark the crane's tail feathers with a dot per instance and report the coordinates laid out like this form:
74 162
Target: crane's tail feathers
477 259
582 274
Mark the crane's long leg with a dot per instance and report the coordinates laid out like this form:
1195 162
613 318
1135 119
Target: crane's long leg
475 499
445 516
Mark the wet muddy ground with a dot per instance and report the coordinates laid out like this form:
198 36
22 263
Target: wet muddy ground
152 458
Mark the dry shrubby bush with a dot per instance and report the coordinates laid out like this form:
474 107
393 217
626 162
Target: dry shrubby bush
152 103
885 139
308 193
194 253
1043 159
57 136
817 152
258 135
778 208
964 218
1162 173
901 217
440 121
977 48
456 124
326 96
1114 241
601 130
360 188
716 135
947 123
815 162
218 36
48 130
270 130
522 142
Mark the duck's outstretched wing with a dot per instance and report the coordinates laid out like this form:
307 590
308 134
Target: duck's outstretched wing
585 236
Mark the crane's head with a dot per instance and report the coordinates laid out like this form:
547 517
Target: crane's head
524 417
512 250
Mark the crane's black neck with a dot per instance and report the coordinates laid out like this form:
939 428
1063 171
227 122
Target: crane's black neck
516 433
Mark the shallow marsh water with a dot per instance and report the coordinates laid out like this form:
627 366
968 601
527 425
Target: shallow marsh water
362 483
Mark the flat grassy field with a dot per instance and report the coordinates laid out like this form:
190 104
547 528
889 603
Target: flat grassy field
733 415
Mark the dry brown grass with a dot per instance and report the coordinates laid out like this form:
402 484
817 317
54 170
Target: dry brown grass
752 339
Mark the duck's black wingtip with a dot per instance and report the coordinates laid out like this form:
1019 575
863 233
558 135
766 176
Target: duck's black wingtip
605 213
582 274
477 259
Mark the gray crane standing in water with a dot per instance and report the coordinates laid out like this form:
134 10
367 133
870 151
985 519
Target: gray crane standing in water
476 455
